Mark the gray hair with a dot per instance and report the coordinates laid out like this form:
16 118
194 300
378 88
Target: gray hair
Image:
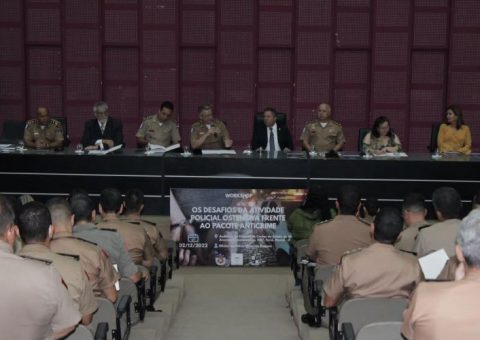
468 238
100 106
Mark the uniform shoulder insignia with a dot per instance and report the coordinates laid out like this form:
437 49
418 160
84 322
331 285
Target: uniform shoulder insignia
336 123
133 222
109 229
55 122
352 251
423 227
35 259
81 239
75 257
364 221
409 252
29 122
322 222
148 222
148 117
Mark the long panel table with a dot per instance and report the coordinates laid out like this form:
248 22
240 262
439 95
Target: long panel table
49 173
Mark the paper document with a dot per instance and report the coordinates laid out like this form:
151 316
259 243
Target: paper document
393 155
104 152
433 263
154 148
218 152
3 146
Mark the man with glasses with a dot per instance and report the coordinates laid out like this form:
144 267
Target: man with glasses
102 132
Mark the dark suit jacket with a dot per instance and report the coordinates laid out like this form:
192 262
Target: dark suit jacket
92 132
260 138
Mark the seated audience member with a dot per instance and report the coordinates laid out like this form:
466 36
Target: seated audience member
270 136
93 259
136 239
43 132
331 239
379 270
24 313
454 135
159 129
447 204
102 132
449 310
82 210
369 209
36 230
323 134
381 139
133 204
476 200
414 212
209 132
313 210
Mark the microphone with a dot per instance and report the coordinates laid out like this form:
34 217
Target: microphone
214 134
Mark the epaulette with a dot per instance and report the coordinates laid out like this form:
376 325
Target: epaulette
148 117
75 257
350 252
336 123
109 229
30 121
364 221
409 252
55 123
81 239
425 226
133 222
148 222
35 259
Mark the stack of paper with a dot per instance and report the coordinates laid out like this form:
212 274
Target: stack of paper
160 149
104 152
433 263
218 152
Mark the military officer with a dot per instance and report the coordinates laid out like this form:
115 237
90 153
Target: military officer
24 313
36 231
43 132
379 270
414 212
323 134
159 129
208 132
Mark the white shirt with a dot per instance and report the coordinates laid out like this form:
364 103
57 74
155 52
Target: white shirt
275 137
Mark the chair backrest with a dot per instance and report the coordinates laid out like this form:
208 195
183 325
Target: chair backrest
323 272
80 333
362 132
301 248
13 130
105 313
138 303
363 311
66 137
433 137
281 119
391 330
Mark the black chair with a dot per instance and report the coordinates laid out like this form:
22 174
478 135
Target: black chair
66 137
13 131
433 137
281 119
362 132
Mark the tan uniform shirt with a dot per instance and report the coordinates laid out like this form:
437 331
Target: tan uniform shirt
159 244
50 133
444 311
93 259
71 272
323 138
34 302
330 240
159 133
448 272
437 236
379 270
214 141
406 239
136 239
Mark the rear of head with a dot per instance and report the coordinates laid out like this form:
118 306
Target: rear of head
413 208
468 238
60 212
447 202
315 198
7 216
371 206
133 201
34 222
388 224
77 191
348 200
82 207
476 200
111 200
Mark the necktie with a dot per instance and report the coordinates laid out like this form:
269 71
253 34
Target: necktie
102 127
271 141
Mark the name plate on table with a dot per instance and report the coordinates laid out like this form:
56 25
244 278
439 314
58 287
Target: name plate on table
233 227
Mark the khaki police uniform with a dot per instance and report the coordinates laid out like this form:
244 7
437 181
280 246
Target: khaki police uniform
379 270
34 302
437 236
448 272
49 134
214 141
406 239
331 239
93 259
159 244
136 240
71 272
444 310
323 138
159 133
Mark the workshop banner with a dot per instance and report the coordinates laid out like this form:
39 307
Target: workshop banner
233 227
